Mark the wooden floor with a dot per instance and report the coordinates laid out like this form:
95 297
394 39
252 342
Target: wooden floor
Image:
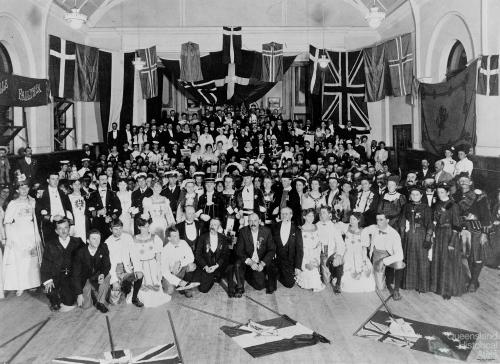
201 341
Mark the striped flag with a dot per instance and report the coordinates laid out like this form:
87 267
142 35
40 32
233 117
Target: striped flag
272 62
399 53
231 45
487 76
62 59
162 354
149 74
287 335
206 90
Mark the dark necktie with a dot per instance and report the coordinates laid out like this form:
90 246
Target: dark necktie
380 232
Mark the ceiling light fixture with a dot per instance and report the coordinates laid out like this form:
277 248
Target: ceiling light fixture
74 18
375 16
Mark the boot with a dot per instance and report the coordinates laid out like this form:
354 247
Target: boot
135 292
398 278
474 281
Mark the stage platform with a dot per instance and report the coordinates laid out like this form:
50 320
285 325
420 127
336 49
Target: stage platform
201 341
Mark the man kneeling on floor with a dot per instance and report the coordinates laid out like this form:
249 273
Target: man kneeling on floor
91 273
177 264
123 275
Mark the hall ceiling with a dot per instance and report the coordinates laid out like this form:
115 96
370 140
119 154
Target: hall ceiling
178 13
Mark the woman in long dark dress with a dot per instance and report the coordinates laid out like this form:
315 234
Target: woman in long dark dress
391 205
447 273
418 235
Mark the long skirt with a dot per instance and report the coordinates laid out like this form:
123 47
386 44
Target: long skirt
418 267
448 273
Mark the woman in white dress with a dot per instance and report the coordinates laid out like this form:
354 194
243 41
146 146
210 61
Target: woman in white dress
145 254
22 259
125 197
313 199
79 229
158 207
358 272
309 277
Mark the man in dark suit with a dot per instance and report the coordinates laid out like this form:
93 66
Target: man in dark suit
212 259
114 137
51 205
210 203
88 153
27 165
249 199
57 267
289 250
287 197
103 206
309 153
425 171
333 192
255 252
139 194
126 135
172 191
189 229
153 134
91 276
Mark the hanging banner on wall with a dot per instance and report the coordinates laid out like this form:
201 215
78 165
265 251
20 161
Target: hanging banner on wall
23 91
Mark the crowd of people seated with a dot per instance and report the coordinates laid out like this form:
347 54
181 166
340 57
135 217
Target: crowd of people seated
233 196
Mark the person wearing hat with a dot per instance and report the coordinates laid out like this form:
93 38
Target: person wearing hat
85 167
210 204
64 172
286 196
391 204
448 277
464 164
419 228
139 194
249 199
171 190
386 251
448 161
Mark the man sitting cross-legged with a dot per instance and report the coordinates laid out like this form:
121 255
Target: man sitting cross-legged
212 259
91 273
123 275
177 263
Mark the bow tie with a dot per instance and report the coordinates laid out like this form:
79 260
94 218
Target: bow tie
382 232
103 190
189 223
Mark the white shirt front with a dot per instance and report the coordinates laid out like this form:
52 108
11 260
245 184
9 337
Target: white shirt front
248 197
64 242
331 195
255 256
190 231
102 193
363 201
213 242
170 255
119 252
56 207
28 160
449 165
464 165
285 231
388 240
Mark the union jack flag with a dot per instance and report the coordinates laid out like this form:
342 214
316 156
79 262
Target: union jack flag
149 74
205 89
162 354
344 89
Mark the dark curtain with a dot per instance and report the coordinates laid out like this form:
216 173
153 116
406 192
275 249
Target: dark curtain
128 90
154 104
104 89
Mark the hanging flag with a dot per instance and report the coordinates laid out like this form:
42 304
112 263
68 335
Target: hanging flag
127 105
23 91
448 111
314 70
399 53
487 76
86 76
375 72
206 90
61 67
149 74
190 62
162 354
344 90
231 45
105 70
272 62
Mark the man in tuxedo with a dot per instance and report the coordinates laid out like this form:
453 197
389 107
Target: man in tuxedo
87 153
289 250
51 205
287 197
441 175
153 134
126 135
249 199
103 206
212 259
91 276
114 137
27 165
57 267
366 201
139 194
309 153
255 250
425 171
210 204
333 192
172 191
189 229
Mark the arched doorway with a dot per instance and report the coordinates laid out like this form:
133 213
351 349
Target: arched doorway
457 60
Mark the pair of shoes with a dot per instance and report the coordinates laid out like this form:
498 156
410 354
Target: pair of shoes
55 307
136 302
270 290
239 292
101 307
336 289
231 293
396 296
19 293
188 293
472 287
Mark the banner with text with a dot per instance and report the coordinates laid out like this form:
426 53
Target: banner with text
23 91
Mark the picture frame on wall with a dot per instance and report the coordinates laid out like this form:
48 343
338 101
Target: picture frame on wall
273 103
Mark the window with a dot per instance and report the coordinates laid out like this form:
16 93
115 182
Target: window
457 60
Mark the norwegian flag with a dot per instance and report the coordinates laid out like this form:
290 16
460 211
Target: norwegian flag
206 90
149 74
162 354
487 76
344 89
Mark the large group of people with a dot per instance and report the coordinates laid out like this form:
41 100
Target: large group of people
179 204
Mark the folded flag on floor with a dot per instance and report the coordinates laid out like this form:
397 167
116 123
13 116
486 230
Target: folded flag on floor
271 336
416 335
161 354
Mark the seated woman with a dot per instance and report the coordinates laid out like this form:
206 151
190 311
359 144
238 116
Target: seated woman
146 258
358 270
309 277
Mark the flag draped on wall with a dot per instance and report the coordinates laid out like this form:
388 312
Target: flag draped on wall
449 111
190 62
272 62
375 72
62 55
149 74
231 45
487 77
105 84
314 70
399 53
86 76
343 87
128 89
